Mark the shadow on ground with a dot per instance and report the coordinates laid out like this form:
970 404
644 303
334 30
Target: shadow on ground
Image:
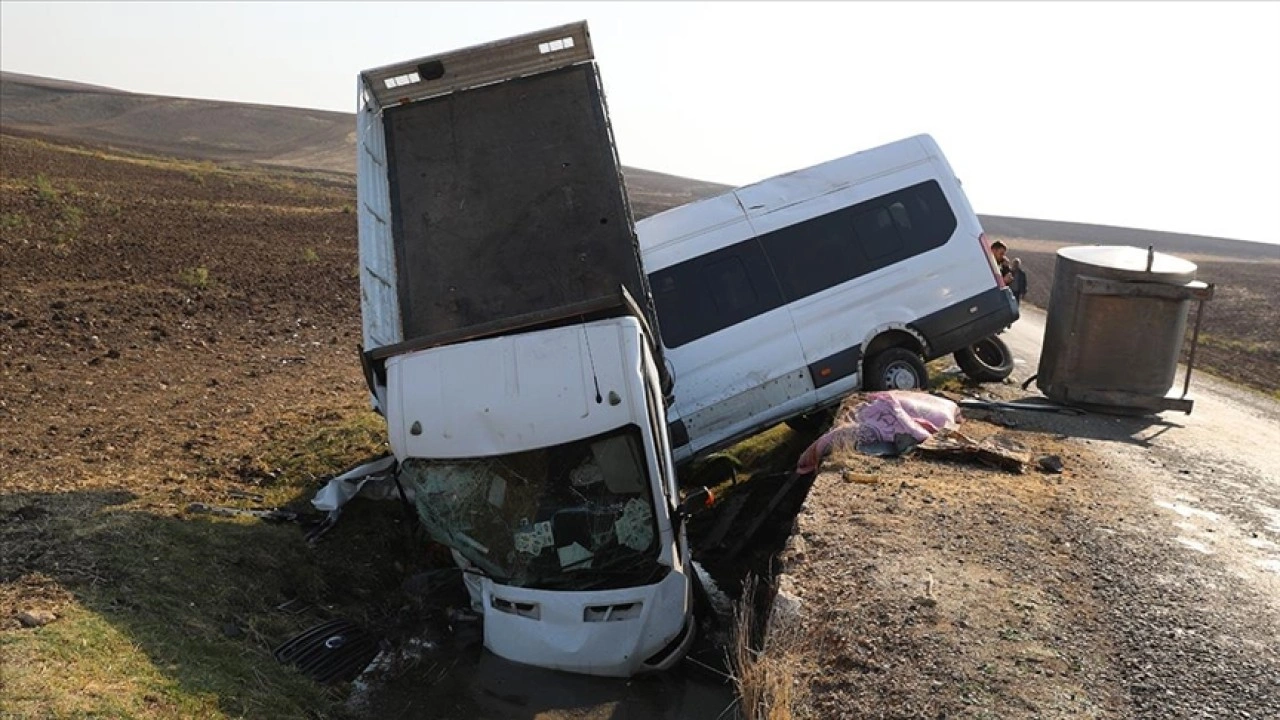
199 596
1068 422
196 601
1053 419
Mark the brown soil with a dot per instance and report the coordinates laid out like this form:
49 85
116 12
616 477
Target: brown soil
173 333
121 358
169 331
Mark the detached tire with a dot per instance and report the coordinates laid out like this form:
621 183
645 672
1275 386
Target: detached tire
896 369
988 360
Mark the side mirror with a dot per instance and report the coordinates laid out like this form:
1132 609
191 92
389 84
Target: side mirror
694 503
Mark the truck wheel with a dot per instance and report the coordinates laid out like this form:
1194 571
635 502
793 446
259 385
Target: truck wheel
988 360
897 368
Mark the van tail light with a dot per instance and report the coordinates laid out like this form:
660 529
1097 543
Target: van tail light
991 260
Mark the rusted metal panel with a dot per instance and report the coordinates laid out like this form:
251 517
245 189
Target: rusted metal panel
1099 286
1119 399
1115 327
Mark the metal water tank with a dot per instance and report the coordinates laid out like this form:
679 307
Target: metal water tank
1115 327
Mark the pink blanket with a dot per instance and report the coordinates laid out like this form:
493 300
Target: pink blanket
883 418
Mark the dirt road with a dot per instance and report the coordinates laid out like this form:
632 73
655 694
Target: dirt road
1213 474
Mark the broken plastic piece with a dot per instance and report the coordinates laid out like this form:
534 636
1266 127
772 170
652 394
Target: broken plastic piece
334 651
534 540
342 488
497 492
574 556
635 527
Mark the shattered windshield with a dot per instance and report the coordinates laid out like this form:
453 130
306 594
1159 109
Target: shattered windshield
574 516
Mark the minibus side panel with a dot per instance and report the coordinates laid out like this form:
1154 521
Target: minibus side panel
883 240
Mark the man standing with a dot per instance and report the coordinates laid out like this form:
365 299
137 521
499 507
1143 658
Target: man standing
998 249
1019 284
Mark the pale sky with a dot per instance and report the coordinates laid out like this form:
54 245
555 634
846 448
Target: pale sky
1154 115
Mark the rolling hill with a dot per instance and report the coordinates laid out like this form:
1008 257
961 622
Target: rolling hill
234 132
325 141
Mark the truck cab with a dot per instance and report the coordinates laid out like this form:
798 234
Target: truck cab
541 460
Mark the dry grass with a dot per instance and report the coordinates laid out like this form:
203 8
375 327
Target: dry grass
765 672
166 614
126 396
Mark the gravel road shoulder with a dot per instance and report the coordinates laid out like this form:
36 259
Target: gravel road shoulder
1133 584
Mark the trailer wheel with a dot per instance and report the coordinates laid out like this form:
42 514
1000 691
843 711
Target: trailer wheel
897 368
988 360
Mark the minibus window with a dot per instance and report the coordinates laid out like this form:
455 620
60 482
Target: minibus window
713 291
724 287
814 255
878 237
900 216
730 287
929 220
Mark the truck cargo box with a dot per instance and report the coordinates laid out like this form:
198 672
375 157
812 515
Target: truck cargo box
490 194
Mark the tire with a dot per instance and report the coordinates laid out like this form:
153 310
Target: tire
988 360
812 423
897 368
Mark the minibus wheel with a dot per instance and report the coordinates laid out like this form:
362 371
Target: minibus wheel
988 360
897 368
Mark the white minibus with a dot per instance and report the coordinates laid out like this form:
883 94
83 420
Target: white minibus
776 300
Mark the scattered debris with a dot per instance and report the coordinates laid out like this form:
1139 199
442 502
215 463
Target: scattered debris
954 445
36 618
883 423
294 606
334 651
1003 421
1028 406
859 478
270 514
1050 464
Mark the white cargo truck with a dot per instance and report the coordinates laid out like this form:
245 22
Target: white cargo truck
509 341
